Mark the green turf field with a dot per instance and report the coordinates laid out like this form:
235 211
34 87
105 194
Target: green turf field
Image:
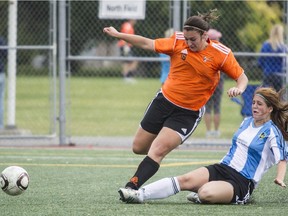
76 182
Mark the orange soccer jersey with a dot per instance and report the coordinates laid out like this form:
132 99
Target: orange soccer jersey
127 28
194 76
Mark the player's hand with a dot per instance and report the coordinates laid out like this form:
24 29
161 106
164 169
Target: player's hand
280 183
111 31
234 92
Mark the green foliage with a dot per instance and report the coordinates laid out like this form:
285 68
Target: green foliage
227 10
4 15
254 20
33 23
257 28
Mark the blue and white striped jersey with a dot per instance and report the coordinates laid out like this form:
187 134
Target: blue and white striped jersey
255 149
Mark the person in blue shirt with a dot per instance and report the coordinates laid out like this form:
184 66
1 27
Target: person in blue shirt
3 57
256 146
165 67
273 66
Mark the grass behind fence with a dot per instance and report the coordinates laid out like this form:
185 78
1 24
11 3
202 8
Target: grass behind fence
102 106
78 182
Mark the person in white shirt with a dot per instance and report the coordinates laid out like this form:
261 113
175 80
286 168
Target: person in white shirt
257 145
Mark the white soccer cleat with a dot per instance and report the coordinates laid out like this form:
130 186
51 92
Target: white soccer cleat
193 197
129 195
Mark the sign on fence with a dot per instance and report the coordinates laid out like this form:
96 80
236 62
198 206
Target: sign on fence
129 9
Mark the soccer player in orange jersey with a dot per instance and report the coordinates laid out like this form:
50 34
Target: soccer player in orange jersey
256 146
175 112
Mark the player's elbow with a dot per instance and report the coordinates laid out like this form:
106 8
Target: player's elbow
148 44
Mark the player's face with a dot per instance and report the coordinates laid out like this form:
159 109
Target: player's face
260 110
194 40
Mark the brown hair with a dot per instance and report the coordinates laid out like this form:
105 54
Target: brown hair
201 22
279 115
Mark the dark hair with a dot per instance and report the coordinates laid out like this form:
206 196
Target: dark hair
279 115
201 22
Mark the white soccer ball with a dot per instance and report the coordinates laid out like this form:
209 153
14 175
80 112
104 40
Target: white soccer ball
14 180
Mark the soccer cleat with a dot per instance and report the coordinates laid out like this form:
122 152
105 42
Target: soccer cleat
193 197
129 195
132 183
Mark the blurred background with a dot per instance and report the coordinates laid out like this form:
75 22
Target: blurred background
63 74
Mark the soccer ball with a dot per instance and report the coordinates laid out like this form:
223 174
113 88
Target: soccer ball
14 180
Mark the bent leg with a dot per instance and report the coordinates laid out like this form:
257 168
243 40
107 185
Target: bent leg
142 141
148 167
160 189
166 187
165 142
220 192
193 180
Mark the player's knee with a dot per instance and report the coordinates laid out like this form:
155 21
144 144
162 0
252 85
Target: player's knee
139 149
185 182
205 195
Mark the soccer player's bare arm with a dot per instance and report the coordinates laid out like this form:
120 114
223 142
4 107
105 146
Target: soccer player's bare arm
135 40
281 171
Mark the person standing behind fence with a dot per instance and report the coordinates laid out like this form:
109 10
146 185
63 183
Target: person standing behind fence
165 65
176 110
273 66
126 50
214 103
3 57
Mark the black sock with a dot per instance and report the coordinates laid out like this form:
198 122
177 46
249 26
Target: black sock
146 169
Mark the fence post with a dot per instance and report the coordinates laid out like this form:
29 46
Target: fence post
11 66
176 15
62 71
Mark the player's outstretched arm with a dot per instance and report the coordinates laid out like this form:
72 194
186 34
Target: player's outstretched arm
242 83
135 40
281 171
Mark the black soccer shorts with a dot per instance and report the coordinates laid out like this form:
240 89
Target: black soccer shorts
162 113
243 187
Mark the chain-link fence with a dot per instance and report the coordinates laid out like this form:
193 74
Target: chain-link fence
28 28
99 102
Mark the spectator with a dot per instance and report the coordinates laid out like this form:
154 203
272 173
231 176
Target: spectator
214 103
273 66
126 50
